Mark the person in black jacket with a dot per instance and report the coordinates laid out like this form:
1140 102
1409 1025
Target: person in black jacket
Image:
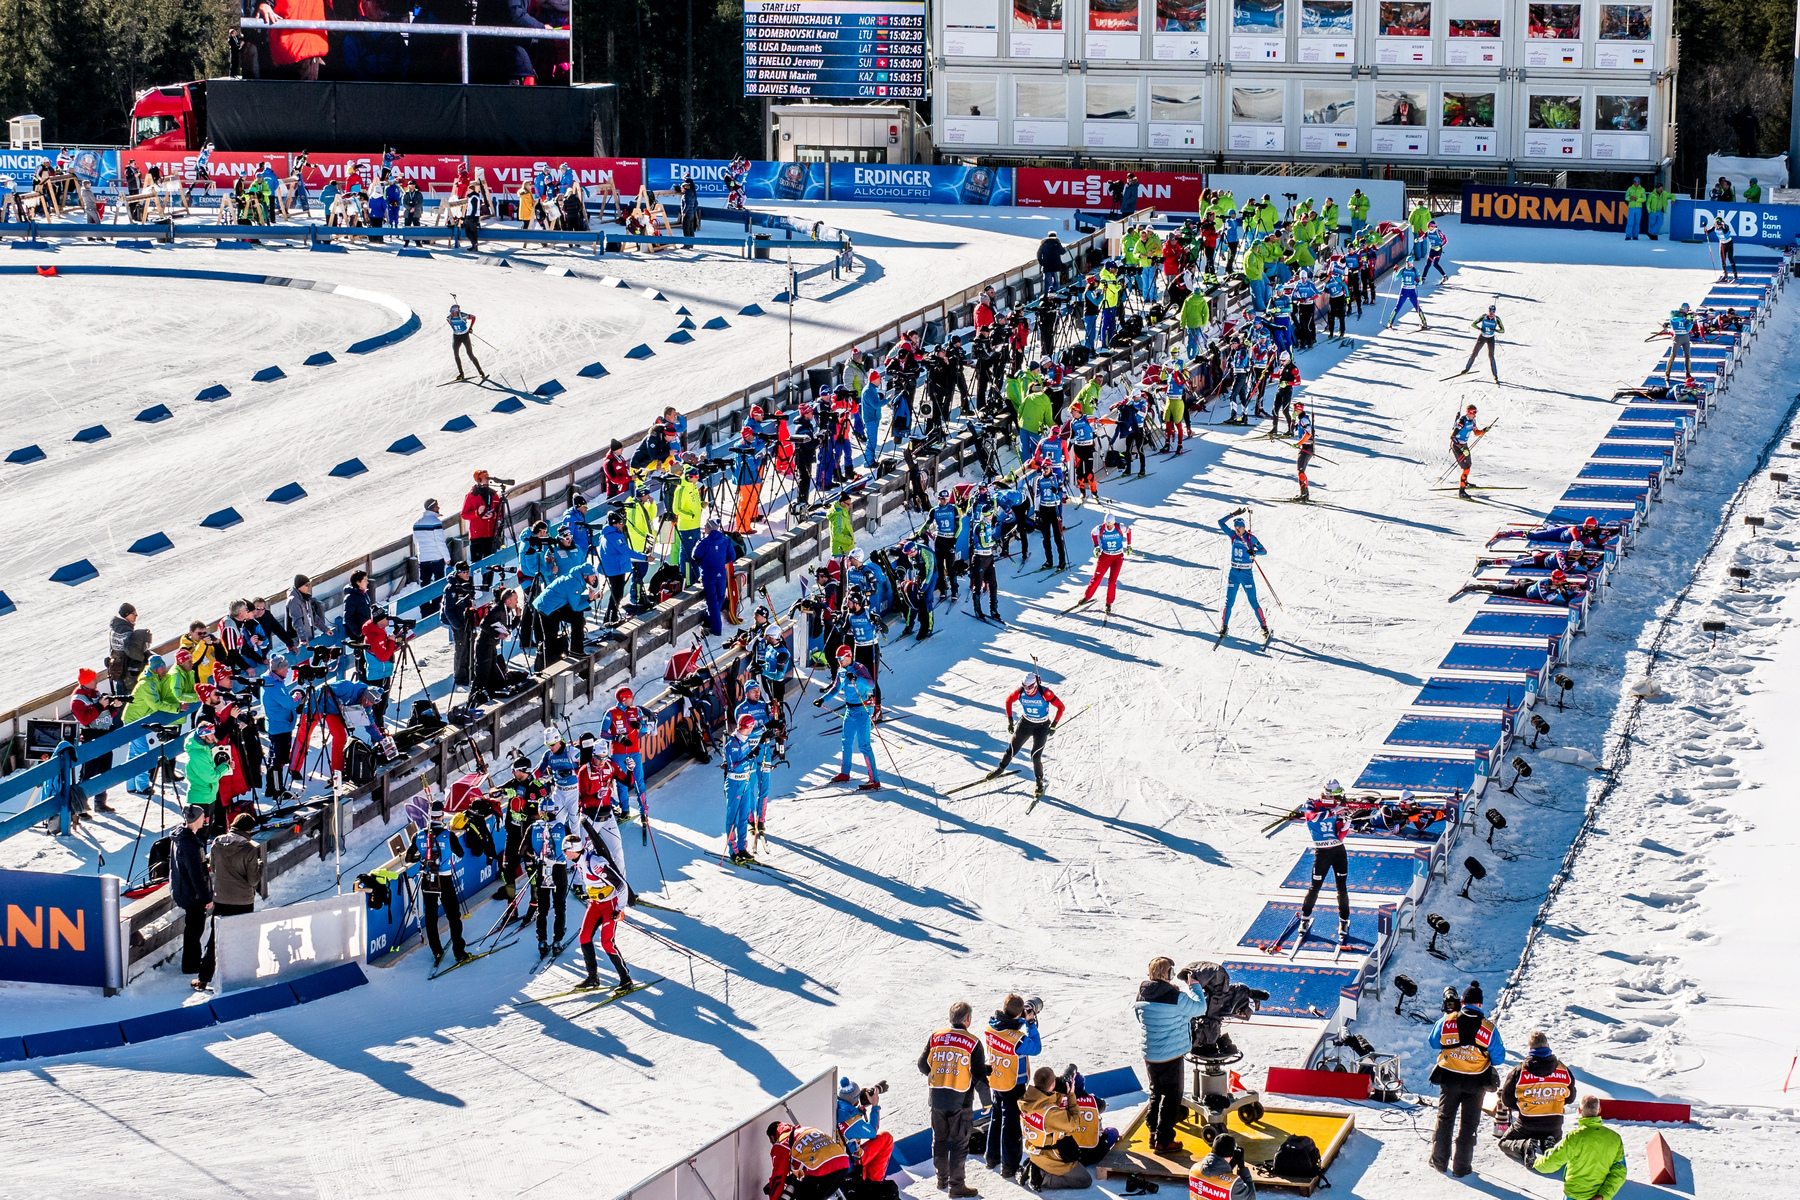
1050 259
190 890
496 621
459 615
1536 1091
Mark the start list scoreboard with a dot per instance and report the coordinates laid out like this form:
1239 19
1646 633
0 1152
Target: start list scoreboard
835 49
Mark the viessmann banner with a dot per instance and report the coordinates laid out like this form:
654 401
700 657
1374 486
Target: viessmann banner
1044 188
1542 208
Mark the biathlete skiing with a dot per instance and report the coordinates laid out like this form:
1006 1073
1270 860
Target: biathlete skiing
1244 549
462 328
1035 722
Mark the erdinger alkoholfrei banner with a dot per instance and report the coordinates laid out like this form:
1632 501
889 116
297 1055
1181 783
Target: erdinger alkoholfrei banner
99 168
1542 208
921 185
762 180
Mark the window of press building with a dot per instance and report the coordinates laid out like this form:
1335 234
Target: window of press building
1037 14
1472 33
1112 102
1554 22
1623 114
1553 111
1259 16
1625 22
1177 107
1404 19
1256 105
1394 106
1041 112
1468 110
1328 106
972 98
1181 16
1112 16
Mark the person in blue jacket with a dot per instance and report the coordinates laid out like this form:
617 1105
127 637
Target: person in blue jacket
575 525
1165 1013
853 688
562 608
715 554
1244 549
1012 1038
859 1128
435 849
281 701
946 524
871 417
1408 277
755 705
739 759
773 662
616 557
873 581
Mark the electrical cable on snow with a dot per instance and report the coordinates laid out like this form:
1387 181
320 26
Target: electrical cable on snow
1621 755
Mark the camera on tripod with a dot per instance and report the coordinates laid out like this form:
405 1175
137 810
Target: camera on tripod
324 662
403 626
505 483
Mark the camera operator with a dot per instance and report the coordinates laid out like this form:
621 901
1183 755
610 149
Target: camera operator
1091 1141
305 618
495 623
859 1125
336 706
281 700
954 1063
236 727
459 615
96 709
808 1164
1011 1038
1468 1046
208 763
1537 1091
1165 1015
481 512
1050 1125
381 651
1223 1174
562 609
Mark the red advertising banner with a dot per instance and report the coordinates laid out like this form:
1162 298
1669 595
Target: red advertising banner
222 166
1035 188
434 172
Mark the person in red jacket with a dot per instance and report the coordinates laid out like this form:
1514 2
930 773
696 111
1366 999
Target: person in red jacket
481 517
303 50
616 470
96 709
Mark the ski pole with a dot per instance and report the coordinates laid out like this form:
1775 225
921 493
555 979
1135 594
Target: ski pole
650 837
1270 586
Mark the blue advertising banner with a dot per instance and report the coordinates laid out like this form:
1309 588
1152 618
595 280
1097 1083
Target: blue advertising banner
60 928
99 168
1762 224
1542 208
763 181
921 185
392 924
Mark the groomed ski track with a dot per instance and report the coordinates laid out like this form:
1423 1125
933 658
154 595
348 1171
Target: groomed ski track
903 901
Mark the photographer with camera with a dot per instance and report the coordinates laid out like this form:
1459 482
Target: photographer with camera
155 692
1051 1122
208 762
953 1062
808 1164
1536 1093
562 610
96 710
1165 1015
495 623
281 700
1223 1174
481 513
381 652
336 707
1011 1038
859 1126
1468 1046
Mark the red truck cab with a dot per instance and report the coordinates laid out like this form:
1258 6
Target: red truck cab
170 118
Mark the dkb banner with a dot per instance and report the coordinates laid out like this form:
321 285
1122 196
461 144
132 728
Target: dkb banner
1763 224
1542 208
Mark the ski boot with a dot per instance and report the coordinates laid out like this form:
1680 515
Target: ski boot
1109 610
1343 937
871 786
624 975
592 978
1305 929
543 950
1223 629
1267 633
1040 787
841 777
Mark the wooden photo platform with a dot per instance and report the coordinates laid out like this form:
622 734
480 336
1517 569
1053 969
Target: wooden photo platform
1132 1155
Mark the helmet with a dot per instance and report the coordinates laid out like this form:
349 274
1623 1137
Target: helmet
1557 576
1031 682
746 723
554 737
1333 788
845 654
623 695
1591 523
571 845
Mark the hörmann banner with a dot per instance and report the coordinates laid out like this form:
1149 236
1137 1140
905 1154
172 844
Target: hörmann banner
1542 208
57 928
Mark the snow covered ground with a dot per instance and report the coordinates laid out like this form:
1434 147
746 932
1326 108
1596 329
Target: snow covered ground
105 348
898 903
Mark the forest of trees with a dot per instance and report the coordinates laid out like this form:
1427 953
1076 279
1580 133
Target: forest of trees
79 63
1733 52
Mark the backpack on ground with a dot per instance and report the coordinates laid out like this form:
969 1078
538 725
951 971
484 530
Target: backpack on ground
1297 1158
359 763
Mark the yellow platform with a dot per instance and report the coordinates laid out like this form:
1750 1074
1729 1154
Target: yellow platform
1328 1130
